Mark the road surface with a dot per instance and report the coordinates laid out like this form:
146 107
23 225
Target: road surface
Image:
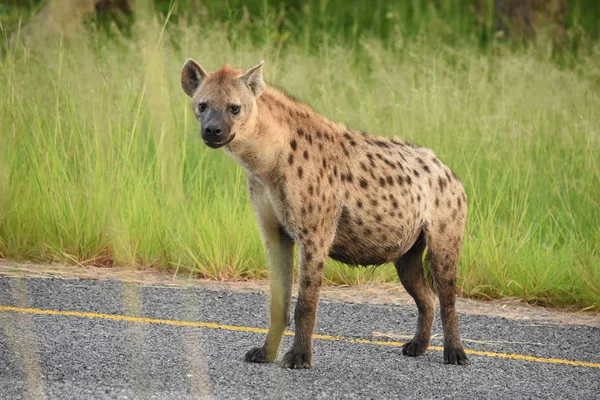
78 339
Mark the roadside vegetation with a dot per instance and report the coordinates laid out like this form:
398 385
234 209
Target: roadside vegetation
100 161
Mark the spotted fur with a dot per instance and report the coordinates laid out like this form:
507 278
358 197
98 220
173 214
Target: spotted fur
336 192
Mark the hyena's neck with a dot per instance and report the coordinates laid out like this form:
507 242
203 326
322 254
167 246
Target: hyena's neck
267 135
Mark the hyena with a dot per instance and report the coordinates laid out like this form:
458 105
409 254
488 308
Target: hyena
335 192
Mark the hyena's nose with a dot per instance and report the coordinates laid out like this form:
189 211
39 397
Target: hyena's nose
213 130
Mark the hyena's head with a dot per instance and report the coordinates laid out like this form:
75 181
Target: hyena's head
224 101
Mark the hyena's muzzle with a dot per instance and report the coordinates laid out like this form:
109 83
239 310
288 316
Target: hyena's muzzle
215 131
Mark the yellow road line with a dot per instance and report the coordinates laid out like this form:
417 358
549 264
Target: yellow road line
213 325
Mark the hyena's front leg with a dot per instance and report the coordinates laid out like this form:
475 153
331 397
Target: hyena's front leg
280 255
312 263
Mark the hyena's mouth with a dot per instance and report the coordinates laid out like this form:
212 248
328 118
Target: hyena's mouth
216 145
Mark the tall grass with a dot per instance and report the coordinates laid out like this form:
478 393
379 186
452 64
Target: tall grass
100 160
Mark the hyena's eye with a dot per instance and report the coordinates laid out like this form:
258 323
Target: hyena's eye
234 109
202 107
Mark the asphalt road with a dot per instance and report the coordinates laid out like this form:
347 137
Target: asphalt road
78 339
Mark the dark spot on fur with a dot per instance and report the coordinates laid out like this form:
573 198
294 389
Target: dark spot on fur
400 180
300 132
426 168
363 183
352 143
381 182
294 144
416 173
300 172
374 202
347 135
377 217
310 208
359 204
324 163
308 257
335 171
395 203
408 179
321 264
349 177
437 201
319 134
310 189
442 227
371 161
305 154
442 183
290 159
330 179
389 180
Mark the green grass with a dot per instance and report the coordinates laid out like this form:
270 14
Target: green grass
100 160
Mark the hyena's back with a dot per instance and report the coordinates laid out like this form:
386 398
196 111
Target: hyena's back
393 193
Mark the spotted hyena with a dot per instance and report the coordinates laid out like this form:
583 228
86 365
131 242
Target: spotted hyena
334 192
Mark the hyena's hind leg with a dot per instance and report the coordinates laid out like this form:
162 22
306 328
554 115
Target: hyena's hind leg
444 240
411 273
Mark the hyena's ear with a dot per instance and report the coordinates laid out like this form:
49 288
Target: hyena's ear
192 75
253 78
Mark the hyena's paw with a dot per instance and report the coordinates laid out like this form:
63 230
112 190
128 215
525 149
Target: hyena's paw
259 355
414 348
295 359
455 355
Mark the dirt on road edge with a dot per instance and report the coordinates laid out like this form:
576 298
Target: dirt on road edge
376 293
